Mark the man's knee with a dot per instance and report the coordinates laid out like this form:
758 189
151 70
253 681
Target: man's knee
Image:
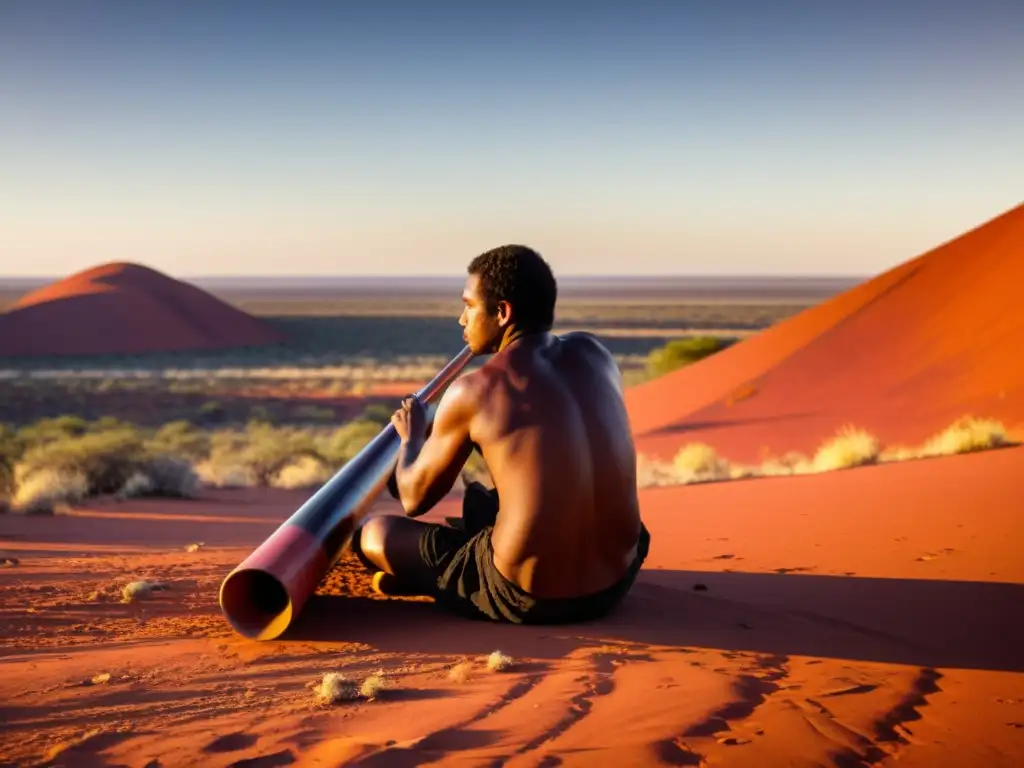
369 540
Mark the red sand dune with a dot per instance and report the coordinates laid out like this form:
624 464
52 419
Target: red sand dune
125 308
901 355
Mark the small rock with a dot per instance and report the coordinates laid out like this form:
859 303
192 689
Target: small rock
700 587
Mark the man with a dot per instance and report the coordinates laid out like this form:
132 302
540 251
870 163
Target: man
548 416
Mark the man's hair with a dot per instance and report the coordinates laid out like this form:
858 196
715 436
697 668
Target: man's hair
520 276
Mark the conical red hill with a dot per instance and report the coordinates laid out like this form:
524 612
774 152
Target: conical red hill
123 308
902 355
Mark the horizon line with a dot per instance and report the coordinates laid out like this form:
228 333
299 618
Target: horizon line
461 275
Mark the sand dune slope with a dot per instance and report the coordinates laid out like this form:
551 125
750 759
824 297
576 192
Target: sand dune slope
901 355
855 618
124 308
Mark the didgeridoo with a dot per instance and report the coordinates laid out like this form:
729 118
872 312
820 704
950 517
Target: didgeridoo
264 594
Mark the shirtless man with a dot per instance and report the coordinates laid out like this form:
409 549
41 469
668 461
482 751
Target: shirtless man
548 416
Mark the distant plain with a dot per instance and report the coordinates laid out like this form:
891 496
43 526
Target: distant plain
372 339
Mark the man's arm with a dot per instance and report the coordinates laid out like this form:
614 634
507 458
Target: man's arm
428 466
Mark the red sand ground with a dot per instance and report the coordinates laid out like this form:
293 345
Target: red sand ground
902 355
123 309
854 618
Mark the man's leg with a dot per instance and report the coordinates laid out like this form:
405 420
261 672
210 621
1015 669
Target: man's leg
391 544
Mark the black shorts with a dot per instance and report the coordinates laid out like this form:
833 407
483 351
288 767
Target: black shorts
468 583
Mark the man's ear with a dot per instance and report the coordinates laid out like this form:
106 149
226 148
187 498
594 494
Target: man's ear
504 313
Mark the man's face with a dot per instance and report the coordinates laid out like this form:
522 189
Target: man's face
482 329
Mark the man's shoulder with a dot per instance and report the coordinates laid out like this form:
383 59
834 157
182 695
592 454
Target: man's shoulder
466 390
585 342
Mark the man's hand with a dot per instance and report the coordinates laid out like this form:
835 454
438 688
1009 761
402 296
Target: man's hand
410 419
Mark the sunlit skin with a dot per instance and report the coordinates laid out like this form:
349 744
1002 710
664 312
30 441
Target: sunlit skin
547 414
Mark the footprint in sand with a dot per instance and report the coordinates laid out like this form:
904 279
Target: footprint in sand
935 555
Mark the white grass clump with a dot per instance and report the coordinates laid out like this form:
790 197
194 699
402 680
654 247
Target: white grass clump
304 472
137 485
461 672
499 662
964 436
334 688
374 684
43 489
173 477
217 475
851 447
698 462
651 473
139 590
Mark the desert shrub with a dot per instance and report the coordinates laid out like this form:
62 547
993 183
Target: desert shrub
163 476
255 455
105 459
211 412
181 439
314 413
304 472
137 485
107 423
965 435
851 447
10 452
681 352
52 430
341 445
791 463
41 490
698 462
378 413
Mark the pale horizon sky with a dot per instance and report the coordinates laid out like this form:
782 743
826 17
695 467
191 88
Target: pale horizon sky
398 138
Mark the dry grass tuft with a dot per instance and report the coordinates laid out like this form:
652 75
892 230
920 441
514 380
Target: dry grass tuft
140 590
699 462
966 435
499 662
218 474
100 679
335 688
44 489
195 547
304 472
851 447
461 672
374 684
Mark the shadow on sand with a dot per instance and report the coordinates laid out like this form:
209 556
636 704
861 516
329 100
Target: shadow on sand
925 623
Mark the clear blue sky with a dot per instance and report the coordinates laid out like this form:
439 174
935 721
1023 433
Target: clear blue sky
231 138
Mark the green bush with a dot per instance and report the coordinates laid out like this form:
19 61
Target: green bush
52 430
342 445
105 459
180 439
682 352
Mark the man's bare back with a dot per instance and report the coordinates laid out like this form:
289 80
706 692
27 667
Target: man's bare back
562 539
552 428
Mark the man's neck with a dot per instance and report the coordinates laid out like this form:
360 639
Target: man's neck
514 334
